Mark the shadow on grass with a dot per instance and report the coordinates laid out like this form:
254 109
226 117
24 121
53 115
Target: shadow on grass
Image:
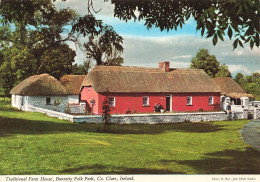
225 162
10 126
202 127
103 169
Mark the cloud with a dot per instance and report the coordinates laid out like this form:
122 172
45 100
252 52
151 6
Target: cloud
148 51
238 68
147 48
81 6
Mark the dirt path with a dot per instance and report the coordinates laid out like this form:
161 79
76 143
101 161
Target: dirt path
251 133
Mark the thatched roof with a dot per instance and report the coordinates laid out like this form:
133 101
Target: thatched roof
139 80
239 95
40 85
231 88
72 83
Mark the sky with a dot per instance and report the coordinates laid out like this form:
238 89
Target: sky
146 48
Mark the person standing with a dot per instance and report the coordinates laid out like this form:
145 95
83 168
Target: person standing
229 112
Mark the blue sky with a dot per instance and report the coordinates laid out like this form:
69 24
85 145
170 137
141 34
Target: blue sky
147 48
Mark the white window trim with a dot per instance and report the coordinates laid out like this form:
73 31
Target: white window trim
114 103
212 100
190 101
147 100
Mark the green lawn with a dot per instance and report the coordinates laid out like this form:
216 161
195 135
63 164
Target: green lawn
33 143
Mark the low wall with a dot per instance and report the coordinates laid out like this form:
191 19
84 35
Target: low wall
76 108
151 118
51 113
256 103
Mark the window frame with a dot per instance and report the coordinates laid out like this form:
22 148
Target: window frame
212 100
114 101
48 103
147 100
189 104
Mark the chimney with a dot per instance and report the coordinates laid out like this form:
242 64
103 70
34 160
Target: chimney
165 66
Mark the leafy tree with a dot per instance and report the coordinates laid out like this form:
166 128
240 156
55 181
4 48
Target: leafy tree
250 83
205 61
223 71
105 48
58 61
35 42
239 78
240 19
81 69
18 64
117 61
106 116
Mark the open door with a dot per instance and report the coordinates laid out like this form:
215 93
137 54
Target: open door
168 103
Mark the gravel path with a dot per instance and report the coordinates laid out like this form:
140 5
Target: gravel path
251 133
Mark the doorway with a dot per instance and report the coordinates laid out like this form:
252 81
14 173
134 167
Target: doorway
168 103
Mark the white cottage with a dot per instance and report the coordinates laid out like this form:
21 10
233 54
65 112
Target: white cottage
232 92
43 91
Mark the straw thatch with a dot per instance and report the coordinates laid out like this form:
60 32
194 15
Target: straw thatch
239 95
126 79
40 85
72 83
231 88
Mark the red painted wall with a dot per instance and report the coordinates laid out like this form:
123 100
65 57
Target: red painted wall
87 95
134 101
199 100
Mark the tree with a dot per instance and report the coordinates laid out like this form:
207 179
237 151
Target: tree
240 19
105 48
239 78
18 64
106 116
39 46
205 61
223 71
58 61
81 69
250 83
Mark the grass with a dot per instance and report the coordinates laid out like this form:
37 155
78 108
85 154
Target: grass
33 143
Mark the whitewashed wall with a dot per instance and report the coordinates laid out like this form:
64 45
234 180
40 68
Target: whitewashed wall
23 102
72 99
20 102
40 101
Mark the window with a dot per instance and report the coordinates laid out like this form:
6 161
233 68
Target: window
48 100
112 101
211 101
145 101
189 101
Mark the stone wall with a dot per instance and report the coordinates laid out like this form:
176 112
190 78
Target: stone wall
149 118
156 118
76 108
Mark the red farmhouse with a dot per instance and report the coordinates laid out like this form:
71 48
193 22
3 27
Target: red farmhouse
138 89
